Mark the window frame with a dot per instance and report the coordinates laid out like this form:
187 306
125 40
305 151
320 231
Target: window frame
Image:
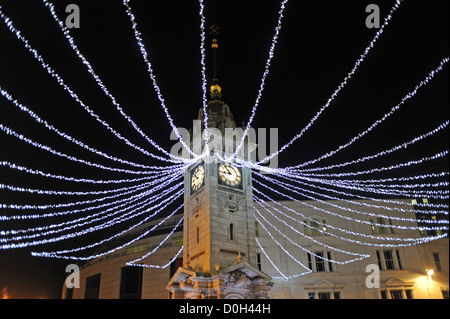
395 263
332 294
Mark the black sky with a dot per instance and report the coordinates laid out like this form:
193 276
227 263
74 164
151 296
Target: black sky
318 45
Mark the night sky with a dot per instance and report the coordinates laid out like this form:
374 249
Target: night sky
318 45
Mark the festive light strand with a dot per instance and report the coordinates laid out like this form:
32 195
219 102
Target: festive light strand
384 168
363 203
58 254
21 137
441 194
281 247
203 72
84 180
382 153
128 205
283 172
91 229
162 176
100 83
359 256
392 110
59 193
411 240
293 188
263 80
61 82
127 216
340 87
341 208
390 201
144 54
50 127
438 194
419 240
421 185
402 179
283 276
130 191
134 262
157 266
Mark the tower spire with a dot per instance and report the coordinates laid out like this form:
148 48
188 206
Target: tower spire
215 88
214 47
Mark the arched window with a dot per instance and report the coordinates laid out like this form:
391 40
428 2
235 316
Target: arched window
231 231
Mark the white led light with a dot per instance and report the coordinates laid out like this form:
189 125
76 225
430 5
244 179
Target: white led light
38 119
21 137
57 254
411 240
60 81
66 32
294 188
144 54
162 183
343 208
382 153
91 229
263 80
56 228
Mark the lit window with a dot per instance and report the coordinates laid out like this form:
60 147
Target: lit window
324 227
315 227
305 227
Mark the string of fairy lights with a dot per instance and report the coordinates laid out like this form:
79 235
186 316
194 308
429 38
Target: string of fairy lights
299 207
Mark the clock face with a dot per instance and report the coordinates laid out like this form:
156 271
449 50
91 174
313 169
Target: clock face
197 177
230 175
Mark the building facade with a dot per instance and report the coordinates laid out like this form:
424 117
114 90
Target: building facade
381 270
360 271
235 246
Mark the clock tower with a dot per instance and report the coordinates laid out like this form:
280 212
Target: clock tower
219 255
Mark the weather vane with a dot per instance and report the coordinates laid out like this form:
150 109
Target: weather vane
214 29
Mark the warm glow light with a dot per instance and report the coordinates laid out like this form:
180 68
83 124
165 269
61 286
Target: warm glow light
215 88
430 272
